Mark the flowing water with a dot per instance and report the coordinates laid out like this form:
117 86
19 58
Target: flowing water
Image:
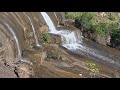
75 43
49 22
35 36
16 40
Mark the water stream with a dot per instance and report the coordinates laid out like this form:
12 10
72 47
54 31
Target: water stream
16 40
35 36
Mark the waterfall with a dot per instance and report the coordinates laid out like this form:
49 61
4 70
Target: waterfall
70 39
35 36
49 22
16 40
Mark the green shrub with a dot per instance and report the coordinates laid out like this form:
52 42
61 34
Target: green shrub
88 19
101 29
45 37
113 26
93 67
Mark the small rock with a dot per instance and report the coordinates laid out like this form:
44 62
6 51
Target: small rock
80 74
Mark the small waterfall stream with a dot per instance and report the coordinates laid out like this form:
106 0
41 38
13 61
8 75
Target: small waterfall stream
35 36
16 40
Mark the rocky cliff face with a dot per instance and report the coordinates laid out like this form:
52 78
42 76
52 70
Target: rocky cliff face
25 25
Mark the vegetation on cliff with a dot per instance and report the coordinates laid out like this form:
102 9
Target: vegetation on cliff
98 24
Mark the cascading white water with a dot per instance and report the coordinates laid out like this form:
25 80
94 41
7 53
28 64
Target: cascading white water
69 39
16 40
49 22
35 36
